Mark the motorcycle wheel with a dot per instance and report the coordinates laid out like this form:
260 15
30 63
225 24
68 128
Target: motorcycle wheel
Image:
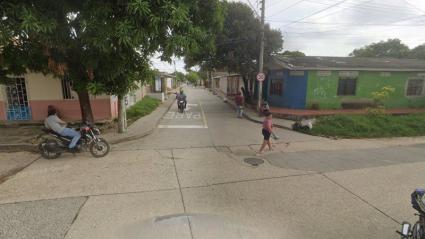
46 153
100 148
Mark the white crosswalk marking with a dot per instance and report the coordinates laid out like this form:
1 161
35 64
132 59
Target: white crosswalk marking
182 127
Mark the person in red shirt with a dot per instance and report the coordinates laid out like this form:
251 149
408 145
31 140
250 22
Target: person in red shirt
239 100
267 130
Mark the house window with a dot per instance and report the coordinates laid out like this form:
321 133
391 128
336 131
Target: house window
276 87
347 86
66 88
414 87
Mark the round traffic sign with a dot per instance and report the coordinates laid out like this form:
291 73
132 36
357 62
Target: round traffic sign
261 77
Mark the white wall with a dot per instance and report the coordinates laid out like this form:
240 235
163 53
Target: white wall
223 84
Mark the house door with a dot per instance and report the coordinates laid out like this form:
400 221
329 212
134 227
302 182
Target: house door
17 101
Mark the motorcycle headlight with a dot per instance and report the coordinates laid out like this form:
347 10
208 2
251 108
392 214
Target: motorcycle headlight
96 131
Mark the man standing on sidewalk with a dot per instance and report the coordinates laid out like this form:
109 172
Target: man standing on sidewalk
239 100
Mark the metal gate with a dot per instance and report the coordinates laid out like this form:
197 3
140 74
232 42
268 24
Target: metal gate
17 101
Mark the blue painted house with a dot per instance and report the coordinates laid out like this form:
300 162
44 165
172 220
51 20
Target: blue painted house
286 88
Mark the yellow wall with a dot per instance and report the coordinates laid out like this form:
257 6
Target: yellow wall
47 87
2 93
43 87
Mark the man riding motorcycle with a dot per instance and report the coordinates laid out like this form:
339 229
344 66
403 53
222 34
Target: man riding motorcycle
181 97
53 122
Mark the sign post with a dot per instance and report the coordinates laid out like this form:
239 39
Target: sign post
260 78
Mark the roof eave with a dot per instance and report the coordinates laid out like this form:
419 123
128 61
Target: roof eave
352 69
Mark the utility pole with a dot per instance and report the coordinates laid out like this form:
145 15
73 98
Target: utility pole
175 74
261 57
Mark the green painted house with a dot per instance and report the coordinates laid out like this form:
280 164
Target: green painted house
343 82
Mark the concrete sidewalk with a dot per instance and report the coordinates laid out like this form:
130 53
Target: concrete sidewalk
253 115
139 129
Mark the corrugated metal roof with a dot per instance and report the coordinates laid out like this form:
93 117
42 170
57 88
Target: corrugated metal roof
359 63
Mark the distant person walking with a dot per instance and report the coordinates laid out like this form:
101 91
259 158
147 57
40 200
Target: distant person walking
265 107
267 130
240 101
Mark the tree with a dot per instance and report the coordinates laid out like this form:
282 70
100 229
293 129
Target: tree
180 77
390 48
418 52
74 37
193 77
237 45
291 54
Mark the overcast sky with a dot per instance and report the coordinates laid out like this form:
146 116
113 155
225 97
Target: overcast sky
336 27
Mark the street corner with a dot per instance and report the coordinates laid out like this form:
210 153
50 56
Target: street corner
39 219
307 206
207 166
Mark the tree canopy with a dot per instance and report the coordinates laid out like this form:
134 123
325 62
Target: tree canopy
103 45
237 45
418 52
390 48
193 77
291 54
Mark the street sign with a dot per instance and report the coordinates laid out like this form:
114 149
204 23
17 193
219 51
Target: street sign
261 77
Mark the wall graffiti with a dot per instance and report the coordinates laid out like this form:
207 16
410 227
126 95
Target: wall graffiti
319 92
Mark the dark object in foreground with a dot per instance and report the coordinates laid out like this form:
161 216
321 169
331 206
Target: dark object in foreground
181 106
417 231
55 145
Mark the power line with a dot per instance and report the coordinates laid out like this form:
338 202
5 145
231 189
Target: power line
414 7
360 4
391 9
285 9
349 24
365 6
253 8
317 12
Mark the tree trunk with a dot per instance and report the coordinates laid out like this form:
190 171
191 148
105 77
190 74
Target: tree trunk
86 111
245 90
122 115
251 89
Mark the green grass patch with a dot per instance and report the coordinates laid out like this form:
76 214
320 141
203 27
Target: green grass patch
142 108
369 126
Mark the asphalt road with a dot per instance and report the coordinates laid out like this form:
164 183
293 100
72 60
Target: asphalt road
189 179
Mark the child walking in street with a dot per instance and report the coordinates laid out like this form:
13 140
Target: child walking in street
267 130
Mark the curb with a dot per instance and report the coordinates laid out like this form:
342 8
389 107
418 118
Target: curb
12 148
139 136
260 122
252 119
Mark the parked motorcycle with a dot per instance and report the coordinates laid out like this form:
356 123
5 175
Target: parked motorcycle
53 146
417 231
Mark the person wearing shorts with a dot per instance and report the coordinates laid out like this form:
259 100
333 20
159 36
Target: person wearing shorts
267 130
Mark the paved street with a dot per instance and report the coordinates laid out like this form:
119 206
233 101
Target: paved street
189 180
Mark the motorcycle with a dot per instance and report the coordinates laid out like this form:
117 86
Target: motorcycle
417 231
180 105
56 144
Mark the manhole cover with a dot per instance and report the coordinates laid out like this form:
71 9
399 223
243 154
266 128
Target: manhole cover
253 161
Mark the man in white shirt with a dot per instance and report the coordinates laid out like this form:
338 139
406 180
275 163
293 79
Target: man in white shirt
54 123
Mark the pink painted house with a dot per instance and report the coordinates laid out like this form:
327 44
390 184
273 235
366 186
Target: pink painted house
28 97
